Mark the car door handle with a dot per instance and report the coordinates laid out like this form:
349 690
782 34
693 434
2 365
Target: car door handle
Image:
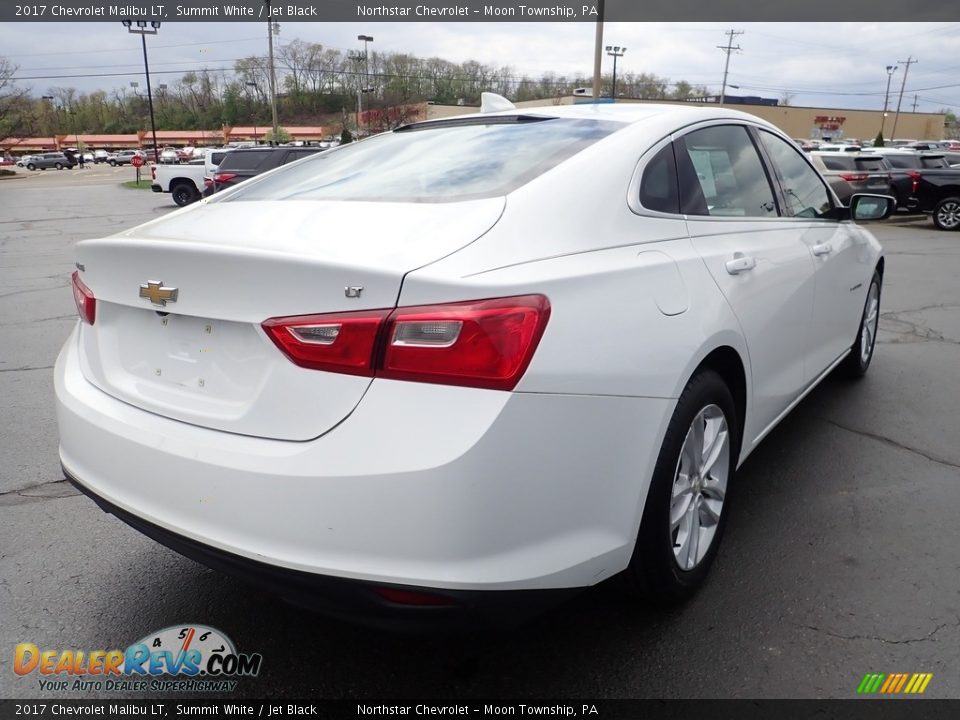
740 263
822 249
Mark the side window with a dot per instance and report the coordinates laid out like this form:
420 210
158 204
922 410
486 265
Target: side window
721 174
804 192
658 186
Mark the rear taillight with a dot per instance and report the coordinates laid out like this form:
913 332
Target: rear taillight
854 177
224 177
483 343
487 343
915 177
340 342
83 297
153 172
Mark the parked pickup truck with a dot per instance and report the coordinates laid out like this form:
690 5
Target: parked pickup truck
183 182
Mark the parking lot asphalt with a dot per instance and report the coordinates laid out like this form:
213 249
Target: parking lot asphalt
840 556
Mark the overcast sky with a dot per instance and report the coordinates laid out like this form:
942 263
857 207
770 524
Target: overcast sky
822 64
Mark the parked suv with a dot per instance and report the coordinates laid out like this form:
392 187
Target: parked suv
50 160
123 157
862 173
243 163
937 186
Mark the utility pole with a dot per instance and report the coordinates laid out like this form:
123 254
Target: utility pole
915 102
598 52
906 70
891 69
728 49
273 75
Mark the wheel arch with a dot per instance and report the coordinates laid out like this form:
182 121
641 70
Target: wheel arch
727 363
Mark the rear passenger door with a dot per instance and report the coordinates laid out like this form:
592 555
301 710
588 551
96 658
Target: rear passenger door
756 256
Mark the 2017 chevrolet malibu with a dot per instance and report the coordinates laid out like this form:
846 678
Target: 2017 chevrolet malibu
470 363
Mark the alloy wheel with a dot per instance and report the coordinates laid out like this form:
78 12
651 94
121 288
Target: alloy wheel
699 487
871 316
948 214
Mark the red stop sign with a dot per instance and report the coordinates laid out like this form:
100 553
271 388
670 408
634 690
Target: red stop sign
136 161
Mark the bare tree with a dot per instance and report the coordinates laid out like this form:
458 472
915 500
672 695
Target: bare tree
16 107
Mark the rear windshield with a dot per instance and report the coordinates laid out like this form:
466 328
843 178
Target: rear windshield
244 160
838 162
442 162
904 161
934 162
870 164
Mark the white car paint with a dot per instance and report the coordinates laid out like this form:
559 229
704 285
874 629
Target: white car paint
425 484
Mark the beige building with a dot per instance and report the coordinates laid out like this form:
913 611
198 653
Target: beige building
797 122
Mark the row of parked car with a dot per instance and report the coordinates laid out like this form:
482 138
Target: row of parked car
920 179
71 157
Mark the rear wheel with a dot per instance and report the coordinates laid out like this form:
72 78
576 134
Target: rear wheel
113 163
684 515
946 215
184 194
861 353
31 166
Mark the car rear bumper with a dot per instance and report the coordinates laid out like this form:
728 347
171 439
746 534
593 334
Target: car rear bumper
430 486
156 188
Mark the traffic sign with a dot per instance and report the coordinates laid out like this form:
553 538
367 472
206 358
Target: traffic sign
136 161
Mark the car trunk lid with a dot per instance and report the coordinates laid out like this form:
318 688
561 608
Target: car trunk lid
202 357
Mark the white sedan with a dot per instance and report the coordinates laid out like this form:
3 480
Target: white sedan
518 351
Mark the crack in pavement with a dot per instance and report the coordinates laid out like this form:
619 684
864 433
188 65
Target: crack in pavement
26 369
61 489
876 638
893 443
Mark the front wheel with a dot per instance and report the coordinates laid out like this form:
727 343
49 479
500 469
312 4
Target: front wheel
861 352
31 166
686 507
946 215
59 166
113 163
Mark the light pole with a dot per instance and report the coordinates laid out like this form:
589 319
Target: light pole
615 51
143 28
56 118
366 73
252 84
891 69
272 28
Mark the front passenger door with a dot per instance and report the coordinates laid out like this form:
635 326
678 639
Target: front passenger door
842 265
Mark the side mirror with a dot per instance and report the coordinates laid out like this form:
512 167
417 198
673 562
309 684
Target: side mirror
871 207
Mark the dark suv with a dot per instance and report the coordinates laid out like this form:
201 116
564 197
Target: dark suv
243 163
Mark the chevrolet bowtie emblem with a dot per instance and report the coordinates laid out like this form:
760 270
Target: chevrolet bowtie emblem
157 293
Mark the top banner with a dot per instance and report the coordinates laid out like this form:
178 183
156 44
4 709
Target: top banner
482 11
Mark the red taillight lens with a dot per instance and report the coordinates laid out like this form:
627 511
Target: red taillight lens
854 177
83 297
224 177
483 343
153 172
340 342
487 343
915 177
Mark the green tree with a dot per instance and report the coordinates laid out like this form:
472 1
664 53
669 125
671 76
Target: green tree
346 137
281 137
878 141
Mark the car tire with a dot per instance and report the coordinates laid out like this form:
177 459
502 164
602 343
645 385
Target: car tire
856 364
113 163
946 215
183 194
687 506
58 166
31 166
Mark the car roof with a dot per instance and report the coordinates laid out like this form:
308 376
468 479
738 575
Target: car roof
627 113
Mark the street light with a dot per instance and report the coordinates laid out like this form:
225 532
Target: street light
891 69
615 51
56 116
143 28
366 73
252 84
